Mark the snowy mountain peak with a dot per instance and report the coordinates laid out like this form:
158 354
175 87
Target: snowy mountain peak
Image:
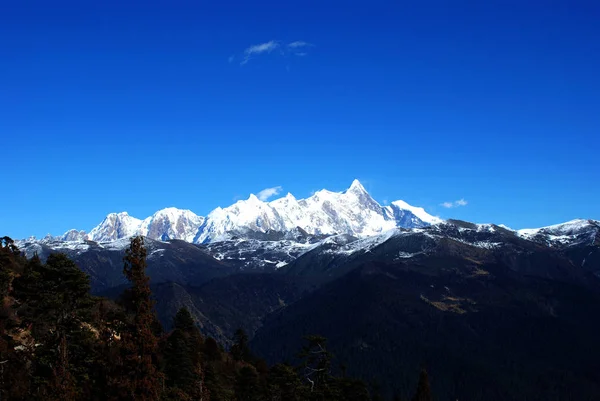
118 215
253 199
356 186
569 233
562 228
171 223
419 212
352 212
74 235
115 226
568 228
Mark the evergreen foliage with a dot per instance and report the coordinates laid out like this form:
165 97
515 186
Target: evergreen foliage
423 392
240 349
62 344
183 356
139 378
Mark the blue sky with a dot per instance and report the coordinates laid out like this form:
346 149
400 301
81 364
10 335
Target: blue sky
112 106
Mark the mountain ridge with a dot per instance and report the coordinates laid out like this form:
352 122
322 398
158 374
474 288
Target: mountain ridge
352 212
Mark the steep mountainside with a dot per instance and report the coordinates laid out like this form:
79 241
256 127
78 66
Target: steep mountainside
485 330
223 305
174 261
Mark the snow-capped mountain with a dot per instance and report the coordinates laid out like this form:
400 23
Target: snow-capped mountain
171 223
74 235
115 226
569 233
352 212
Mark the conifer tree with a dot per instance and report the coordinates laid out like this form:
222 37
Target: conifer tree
240 351
183 320
199 390
246 386
137 377
179 366
350 389
9 260
8 265
54 304
9 255
423 392
211 350
62 386
285 385
178 354
182 357
316 369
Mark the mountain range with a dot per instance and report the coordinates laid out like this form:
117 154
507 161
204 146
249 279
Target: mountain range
253 235
494 313
352 212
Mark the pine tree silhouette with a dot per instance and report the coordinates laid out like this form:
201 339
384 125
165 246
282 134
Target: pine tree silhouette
423 392
138 378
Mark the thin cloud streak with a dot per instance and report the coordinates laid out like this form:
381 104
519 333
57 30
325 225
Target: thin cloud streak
298 43
296 48
266 47
457 203
261 48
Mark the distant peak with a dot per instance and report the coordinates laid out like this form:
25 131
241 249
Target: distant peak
417 211
356 186
253 198
120 214
169 209
172 210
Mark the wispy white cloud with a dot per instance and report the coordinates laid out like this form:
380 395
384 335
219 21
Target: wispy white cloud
457 203
269 192
298 43
297 48
261 48
266 47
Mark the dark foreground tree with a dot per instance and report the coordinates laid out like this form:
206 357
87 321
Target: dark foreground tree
316 369
137 377
53 304
183 358
423 392
284 384
240 349
246 385
13 377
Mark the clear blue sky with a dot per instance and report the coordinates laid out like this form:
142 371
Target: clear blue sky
113 105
